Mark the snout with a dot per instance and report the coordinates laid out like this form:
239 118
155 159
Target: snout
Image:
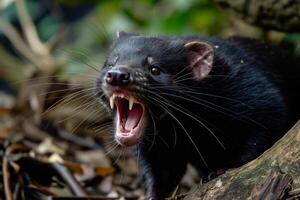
118 76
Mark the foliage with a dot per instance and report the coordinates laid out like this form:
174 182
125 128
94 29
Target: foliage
91 34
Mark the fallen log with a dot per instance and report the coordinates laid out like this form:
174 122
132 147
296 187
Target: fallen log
273 175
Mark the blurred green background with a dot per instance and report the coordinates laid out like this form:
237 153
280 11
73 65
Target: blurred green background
88 27
79 31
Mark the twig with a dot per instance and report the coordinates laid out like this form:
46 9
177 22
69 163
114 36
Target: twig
29 30
5 170
14 37
35 51
37 47
73 138
58 37
43 189
295 192
69 179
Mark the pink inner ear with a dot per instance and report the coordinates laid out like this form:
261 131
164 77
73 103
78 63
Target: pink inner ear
200 57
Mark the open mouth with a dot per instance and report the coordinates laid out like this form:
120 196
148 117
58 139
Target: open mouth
130 118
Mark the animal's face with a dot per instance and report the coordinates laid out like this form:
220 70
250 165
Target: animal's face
133 78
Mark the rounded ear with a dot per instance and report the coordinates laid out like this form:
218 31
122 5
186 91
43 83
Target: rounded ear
121 34
200 57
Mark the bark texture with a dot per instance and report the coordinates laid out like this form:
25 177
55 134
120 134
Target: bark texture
281 15
274 175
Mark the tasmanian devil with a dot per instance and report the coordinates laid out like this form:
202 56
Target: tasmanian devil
210 102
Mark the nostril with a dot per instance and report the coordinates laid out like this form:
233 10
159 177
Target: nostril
117 77
109 77
125 76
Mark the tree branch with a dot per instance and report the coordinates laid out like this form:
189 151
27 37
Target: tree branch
281 15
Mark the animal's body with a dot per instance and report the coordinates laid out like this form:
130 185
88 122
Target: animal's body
210 102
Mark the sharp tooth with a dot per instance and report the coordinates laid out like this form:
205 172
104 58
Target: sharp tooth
130 103
112 101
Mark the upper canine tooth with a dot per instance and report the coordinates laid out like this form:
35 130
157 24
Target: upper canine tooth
131 103
112 101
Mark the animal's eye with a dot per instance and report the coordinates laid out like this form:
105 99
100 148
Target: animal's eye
154 70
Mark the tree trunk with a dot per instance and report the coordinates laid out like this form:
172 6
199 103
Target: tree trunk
281 15
273 175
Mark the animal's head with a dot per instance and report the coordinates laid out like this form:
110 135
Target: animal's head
139 71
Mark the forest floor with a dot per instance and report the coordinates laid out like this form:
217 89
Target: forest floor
63 157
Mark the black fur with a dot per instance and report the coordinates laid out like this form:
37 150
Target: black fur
223 121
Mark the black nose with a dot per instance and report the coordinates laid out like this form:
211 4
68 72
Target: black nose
117 77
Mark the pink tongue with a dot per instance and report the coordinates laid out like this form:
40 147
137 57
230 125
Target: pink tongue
133 117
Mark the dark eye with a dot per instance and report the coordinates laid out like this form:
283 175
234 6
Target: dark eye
154 70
